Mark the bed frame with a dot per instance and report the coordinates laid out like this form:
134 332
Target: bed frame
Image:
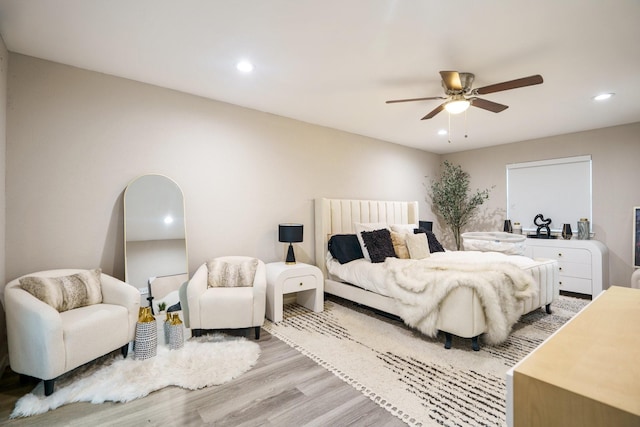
461 312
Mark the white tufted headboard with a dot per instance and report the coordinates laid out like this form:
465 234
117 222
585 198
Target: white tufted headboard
337 216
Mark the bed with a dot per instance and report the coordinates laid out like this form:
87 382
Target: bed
460 313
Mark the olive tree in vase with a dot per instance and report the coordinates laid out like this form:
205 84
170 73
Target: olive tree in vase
451 199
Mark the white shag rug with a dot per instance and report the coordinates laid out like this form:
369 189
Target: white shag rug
202 362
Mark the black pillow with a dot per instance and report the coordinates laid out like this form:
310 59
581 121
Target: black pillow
345 248
379 244
434 244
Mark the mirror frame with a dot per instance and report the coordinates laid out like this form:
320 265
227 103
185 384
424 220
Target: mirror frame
154 227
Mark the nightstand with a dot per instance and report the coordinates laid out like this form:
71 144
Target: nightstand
304 279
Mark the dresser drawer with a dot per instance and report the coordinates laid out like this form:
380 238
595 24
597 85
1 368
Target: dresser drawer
572 269
582 256
299 283
576 284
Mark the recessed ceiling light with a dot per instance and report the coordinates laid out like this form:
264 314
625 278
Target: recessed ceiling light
442 132
245 66
603 96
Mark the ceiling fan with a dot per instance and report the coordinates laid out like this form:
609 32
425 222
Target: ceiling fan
460 95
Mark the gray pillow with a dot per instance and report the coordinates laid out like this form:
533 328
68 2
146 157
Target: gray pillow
231 274
66 292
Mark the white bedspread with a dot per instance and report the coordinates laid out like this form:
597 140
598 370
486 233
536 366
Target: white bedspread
372 276
420 286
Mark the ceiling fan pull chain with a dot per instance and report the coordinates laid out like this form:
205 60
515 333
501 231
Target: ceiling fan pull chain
449 133
466 130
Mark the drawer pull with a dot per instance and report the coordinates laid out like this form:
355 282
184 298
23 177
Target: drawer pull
300 283
560 268
560 254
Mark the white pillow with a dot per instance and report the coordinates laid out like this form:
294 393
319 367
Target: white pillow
367 226
418 246
404 228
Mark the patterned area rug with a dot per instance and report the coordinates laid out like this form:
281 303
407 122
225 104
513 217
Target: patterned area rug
413 376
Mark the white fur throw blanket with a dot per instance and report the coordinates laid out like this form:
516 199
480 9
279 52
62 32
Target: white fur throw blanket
419 286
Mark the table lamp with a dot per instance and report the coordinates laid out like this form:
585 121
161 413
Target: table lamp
290 233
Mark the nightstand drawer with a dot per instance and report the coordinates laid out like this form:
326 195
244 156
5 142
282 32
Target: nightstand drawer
300 283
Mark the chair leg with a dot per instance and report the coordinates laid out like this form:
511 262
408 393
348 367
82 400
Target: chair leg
48 387
257 332
124 350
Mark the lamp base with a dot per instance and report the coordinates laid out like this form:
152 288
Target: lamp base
291 259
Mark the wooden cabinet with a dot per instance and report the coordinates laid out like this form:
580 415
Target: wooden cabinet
583 264
585 374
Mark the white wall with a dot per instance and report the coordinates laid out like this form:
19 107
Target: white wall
615 153
76 138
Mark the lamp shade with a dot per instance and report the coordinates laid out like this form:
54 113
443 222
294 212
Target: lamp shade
290 233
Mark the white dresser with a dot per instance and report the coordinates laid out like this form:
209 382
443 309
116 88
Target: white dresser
583 264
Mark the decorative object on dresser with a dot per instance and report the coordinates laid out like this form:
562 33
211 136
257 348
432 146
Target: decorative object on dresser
566 231
290 233
586 374
583 229
202 362
303 279
225 293
583 264
507 228
408 374
45 343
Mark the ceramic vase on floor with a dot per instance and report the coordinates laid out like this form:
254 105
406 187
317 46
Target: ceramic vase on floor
146 341
176 333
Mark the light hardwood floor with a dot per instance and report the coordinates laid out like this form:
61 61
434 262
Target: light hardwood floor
285 388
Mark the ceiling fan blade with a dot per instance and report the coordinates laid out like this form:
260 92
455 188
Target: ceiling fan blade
451 80
434 111
511 84
488 105
413 99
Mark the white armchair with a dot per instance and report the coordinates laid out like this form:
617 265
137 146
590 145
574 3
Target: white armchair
224 307
45 343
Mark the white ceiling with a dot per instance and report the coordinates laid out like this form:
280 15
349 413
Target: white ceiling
335 62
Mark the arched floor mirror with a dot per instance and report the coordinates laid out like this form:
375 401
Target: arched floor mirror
155 237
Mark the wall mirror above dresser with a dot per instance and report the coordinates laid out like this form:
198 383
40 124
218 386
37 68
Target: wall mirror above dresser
155 235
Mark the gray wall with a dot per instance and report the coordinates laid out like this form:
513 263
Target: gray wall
76 138
4 71
615 153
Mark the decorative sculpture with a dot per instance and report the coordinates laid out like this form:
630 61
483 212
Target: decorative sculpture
544 224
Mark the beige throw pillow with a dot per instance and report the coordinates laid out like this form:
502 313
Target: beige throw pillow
399 241
418 245
230 274
66 292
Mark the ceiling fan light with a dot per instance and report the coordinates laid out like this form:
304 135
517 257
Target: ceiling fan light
457 106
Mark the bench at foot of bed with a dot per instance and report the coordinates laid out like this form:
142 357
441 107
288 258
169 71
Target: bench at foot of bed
475 345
